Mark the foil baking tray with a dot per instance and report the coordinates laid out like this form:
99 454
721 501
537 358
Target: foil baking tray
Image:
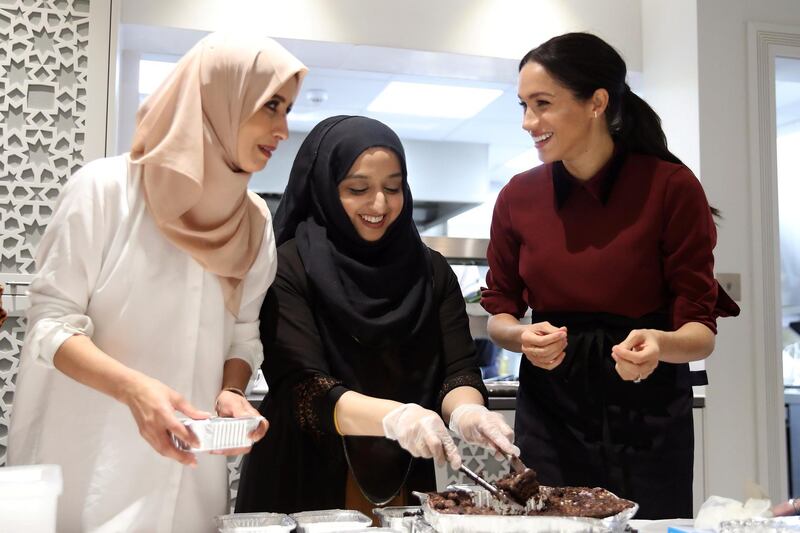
219 433
398 518
255 523
784 524
330 520
496 523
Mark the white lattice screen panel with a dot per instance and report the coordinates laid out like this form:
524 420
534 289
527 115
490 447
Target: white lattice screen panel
477 459
43 84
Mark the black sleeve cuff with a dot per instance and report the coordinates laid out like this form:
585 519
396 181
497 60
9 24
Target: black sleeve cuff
467 378
314 399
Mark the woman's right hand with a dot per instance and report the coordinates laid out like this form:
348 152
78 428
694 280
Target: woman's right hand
543 344
422 433
153 407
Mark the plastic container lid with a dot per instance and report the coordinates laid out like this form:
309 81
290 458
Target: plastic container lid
30 481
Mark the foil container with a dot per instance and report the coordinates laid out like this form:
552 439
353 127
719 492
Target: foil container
219 433
761 525
398 518
255 523
421 526
455 523
330 520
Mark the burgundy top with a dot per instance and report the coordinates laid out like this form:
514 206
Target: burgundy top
636 238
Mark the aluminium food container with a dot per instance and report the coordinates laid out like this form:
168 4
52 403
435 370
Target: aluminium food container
219 433
456 523
398 518
255 523
330 520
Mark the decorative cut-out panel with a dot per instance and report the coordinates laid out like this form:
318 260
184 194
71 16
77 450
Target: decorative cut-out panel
477 459
43 83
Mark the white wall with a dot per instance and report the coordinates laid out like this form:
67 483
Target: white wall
97 80
669 73
127 91
738 451
497 28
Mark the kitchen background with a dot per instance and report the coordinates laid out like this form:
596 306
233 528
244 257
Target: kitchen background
73 71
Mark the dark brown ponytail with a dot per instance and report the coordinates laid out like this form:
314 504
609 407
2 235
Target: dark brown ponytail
583 63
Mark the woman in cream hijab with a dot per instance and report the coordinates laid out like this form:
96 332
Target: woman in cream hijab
151 276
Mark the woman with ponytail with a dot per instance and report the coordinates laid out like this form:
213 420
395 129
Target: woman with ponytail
610 243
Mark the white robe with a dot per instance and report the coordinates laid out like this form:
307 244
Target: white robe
105 270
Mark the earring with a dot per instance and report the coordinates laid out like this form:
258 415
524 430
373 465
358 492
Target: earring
595 114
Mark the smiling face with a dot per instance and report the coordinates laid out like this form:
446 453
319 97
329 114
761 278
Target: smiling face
372 192
561 125
260 134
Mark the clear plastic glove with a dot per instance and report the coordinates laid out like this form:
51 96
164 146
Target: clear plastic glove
477 425
422 433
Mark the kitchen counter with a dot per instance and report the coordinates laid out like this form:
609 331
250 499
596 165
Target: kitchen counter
503 397
499 403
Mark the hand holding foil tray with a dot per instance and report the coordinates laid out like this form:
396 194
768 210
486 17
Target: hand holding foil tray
219 433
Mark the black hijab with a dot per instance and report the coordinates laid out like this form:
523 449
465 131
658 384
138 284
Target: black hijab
379 292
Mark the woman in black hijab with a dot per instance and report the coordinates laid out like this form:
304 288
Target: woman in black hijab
366 338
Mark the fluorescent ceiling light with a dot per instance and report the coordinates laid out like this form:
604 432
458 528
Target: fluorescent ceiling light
152 73
524 161
428 100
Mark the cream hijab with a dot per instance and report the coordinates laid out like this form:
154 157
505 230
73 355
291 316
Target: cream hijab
186 142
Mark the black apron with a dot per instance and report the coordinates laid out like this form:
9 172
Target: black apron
582 425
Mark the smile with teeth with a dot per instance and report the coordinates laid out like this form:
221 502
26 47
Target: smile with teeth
372 219
266 150
542 137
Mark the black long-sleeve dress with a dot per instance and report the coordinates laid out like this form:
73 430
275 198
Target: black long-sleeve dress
631 248
301 463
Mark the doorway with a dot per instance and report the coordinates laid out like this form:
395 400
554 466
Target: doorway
787 134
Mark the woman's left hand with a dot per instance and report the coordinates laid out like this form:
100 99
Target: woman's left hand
231 404
638 355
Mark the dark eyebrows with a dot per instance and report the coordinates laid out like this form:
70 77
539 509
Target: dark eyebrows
363 177
537 94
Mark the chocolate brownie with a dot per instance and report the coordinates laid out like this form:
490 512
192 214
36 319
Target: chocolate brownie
455 502
521 486
582 501
558 501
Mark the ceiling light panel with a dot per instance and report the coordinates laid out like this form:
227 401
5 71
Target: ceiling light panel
429 100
